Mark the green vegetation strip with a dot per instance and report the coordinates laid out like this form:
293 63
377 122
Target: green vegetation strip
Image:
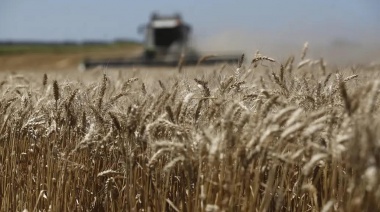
15 49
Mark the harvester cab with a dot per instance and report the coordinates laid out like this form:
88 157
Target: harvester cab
166 37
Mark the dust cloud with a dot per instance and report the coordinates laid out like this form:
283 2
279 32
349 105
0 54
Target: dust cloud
281 44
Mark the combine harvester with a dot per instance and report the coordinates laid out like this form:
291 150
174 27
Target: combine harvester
166 44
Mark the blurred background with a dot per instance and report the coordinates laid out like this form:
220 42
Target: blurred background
342 31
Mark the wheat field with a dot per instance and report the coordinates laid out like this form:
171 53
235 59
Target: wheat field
258 135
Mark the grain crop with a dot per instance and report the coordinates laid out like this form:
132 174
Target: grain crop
269 135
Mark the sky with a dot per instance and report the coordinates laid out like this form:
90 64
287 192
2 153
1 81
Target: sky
215 22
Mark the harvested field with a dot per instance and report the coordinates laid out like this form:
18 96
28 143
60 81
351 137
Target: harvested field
265 135
49 58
